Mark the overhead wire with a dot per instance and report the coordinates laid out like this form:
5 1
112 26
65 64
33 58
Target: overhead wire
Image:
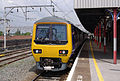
14 15
62 10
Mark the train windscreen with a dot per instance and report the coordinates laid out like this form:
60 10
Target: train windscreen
51 34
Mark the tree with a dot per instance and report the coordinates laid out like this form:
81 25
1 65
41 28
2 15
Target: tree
27 33
18 32
1 33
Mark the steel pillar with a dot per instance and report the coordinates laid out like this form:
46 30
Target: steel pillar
97 35
4 29
100 35
115 36
104 35
94 35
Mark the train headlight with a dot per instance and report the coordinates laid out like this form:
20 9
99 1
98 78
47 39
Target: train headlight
37 50
63 51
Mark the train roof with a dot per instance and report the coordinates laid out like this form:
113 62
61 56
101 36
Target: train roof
52 19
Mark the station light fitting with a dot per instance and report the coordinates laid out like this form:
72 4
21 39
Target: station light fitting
118 17
107 17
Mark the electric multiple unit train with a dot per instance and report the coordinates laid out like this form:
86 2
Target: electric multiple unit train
54 42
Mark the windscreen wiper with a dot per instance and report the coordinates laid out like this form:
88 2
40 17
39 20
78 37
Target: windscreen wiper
40 41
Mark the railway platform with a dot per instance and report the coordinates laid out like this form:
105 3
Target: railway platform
95 65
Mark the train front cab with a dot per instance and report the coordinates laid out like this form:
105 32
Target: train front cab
52 57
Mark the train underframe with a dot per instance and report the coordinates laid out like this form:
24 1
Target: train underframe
52 64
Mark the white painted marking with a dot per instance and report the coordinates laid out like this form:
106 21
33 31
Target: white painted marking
48 67
74 65
115 44
79 78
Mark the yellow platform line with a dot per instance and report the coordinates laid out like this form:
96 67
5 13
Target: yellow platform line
96 66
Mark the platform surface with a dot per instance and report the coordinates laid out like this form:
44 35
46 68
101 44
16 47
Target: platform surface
95 65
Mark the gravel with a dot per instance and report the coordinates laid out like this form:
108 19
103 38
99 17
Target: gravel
19 71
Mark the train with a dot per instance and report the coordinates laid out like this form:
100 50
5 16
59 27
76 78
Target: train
54 43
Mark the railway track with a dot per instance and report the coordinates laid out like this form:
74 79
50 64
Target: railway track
52 76
12 52
13 56
56 76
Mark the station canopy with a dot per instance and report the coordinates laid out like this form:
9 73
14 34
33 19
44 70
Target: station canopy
90 12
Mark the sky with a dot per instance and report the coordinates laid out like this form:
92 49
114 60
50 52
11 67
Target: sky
63 8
